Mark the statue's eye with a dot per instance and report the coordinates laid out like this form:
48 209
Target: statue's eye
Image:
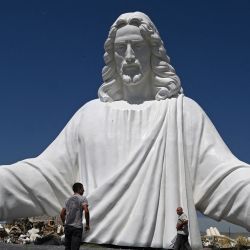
120 47
137 45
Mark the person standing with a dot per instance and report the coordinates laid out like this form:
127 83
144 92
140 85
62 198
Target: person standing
71 216
181 242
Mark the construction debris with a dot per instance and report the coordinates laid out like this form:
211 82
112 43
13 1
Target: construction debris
49 231
215 240
38 231
3 233
243 242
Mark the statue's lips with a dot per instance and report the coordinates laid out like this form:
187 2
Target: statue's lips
131 69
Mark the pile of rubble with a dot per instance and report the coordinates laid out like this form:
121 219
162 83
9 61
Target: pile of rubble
243 242
213 239
25 231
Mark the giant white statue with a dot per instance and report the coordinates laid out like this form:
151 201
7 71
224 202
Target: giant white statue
142 149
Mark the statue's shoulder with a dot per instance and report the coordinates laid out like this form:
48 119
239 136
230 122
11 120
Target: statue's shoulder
90 106
192 111
191 107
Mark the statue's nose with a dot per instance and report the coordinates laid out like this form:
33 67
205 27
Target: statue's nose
130 55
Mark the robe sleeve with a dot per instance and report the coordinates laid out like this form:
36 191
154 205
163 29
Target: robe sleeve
40 185
221 182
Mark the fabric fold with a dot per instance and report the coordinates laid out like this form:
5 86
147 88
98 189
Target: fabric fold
138 163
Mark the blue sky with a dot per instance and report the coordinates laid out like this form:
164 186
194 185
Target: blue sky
51 61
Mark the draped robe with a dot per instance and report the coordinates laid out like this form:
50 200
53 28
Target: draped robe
138 162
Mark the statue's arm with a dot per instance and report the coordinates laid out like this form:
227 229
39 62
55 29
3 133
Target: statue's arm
221 182
40 185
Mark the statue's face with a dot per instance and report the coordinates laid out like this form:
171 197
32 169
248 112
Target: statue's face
132 55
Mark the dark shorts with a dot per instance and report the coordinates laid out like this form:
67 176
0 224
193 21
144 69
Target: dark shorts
73 238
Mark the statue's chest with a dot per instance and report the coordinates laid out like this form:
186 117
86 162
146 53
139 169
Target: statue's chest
114 129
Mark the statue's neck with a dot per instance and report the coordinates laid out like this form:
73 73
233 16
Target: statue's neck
138 93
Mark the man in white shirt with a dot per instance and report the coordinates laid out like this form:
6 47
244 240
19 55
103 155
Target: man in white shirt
182 231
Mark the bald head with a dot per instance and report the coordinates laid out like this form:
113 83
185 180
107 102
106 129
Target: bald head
179 210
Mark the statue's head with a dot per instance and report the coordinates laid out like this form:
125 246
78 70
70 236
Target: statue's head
134 53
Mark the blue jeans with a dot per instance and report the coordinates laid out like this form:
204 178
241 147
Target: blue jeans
73 238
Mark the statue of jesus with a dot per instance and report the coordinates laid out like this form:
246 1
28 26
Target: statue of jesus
142 149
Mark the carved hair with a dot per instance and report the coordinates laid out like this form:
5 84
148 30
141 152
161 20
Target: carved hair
166 83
